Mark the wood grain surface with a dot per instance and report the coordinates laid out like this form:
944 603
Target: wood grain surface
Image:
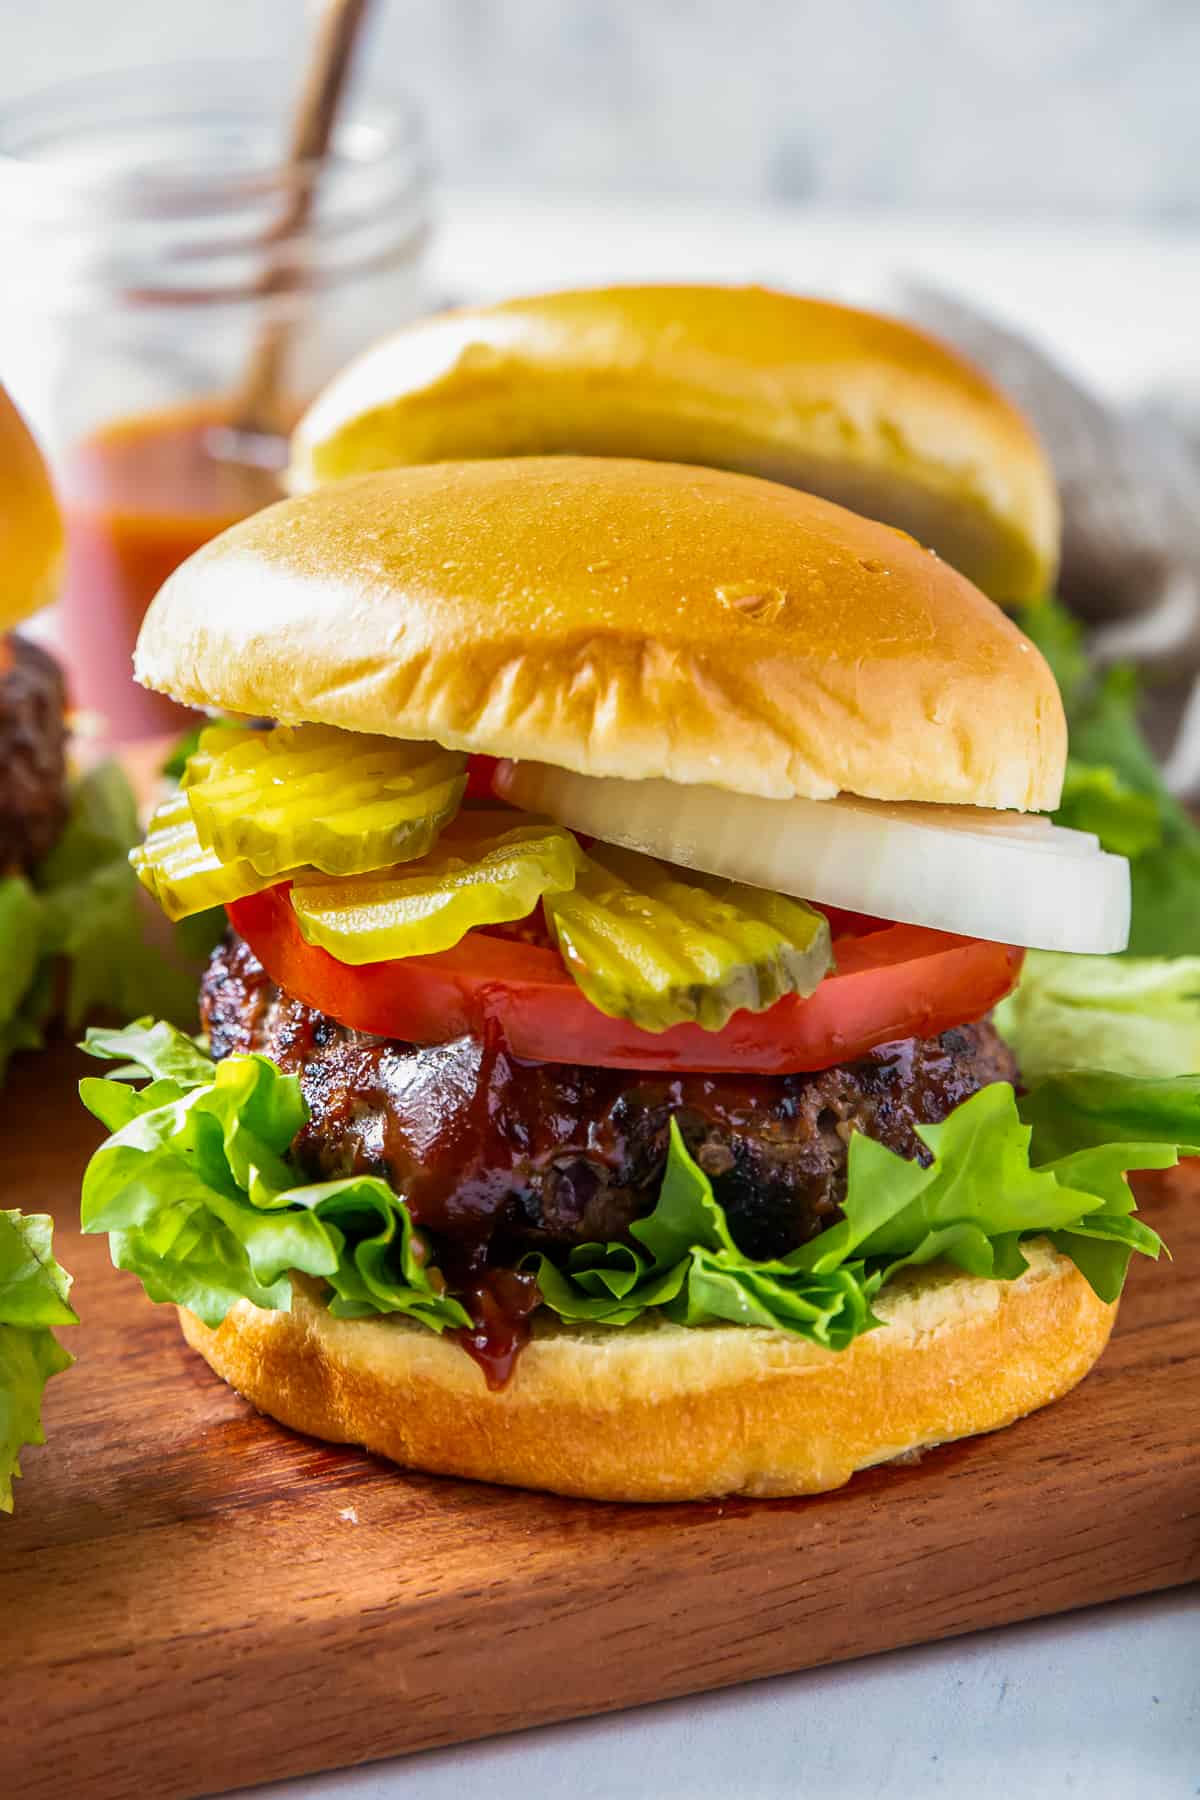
192 1598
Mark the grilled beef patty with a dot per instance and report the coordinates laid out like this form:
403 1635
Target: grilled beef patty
496 1156
33 755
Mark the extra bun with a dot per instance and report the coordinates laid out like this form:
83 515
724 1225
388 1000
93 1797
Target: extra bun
857 408
31 531
669 1412
618 618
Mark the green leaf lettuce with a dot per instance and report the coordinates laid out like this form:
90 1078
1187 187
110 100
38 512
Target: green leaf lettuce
200 1202
1137 1014
82 912
1131 1015
33 1298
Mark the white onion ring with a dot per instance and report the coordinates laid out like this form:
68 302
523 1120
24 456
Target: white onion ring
1012 877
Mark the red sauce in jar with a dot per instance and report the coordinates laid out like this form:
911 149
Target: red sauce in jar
140 496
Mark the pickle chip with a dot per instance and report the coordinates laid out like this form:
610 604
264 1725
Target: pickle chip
182 875
662 946
485 871
311 795
221 735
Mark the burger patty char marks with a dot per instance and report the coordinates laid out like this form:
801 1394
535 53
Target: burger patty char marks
33 754
495 1156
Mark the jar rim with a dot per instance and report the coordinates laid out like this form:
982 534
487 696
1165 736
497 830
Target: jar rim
377 128
167 184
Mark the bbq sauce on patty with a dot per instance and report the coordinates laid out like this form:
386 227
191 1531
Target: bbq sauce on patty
496 1157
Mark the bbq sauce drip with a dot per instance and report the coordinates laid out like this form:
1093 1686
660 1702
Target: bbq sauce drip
501 1308
486 1136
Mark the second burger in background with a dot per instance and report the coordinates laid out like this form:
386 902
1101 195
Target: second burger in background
855 407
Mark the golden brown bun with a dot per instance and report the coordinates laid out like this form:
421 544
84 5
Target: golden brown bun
31 531
618 618
669 1412
857 408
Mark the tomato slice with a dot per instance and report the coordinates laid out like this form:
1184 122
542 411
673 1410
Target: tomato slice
892 981
480 770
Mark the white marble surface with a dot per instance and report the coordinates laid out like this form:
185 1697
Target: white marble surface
1104 1704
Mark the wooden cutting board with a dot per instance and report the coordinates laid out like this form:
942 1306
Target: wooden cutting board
192 1598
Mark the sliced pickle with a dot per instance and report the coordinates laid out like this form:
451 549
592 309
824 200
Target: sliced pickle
182 875
221 735
662 947
339 801
484 871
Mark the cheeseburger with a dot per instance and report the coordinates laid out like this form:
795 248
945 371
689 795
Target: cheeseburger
598 1090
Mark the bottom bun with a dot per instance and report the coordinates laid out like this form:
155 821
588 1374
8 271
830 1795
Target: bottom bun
669 1412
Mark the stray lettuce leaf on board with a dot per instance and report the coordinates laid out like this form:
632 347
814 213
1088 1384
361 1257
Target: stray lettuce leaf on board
33 1298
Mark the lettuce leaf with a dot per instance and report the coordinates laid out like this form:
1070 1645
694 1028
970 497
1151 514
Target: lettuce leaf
1096 799
176 759
21 1003
199 1201
33 1297
83 912
690 1268
1137 1014
1132 1015
94 913
1094 1110
978 1197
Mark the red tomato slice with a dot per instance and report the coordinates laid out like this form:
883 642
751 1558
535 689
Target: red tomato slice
480 770
896 981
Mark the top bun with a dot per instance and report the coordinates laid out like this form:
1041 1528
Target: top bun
31 531
857 408
618 618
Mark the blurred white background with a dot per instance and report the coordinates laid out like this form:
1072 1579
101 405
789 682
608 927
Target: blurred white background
1086 108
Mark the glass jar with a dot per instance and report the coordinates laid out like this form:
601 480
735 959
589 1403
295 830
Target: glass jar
167 309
